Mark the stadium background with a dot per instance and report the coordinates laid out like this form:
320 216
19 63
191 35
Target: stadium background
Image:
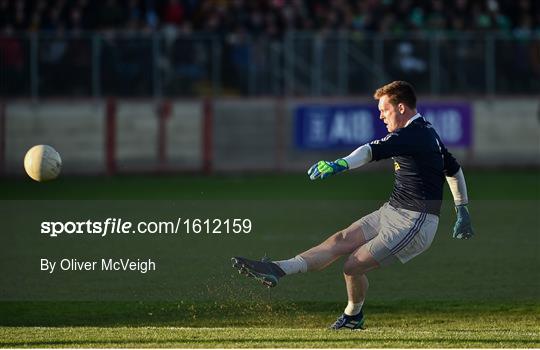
209 101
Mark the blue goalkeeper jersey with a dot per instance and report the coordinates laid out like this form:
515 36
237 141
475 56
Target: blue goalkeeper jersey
421 162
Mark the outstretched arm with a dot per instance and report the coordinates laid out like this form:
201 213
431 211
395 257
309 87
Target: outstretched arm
462 228
357 158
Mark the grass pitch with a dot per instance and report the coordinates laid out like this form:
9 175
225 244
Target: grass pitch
479 293
393 324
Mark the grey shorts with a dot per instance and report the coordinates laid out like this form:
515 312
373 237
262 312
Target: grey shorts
395 233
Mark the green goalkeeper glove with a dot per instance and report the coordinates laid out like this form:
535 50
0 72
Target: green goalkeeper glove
323 168
463 228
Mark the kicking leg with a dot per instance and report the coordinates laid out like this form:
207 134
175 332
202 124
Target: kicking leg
316 258
340 243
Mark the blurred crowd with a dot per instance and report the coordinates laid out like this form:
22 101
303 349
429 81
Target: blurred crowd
271 17
232 59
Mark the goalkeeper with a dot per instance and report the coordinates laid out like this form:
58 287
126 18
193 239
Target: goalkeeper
403 227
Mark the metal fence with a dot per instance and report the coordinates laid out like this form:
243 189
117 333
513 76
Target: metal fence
300 64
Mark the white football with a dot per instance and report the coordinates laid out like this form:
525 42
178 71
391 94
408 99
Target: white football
42 163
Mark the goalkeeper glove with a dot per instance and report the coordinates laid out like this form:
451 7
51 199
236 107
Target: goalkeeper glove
323 168
463 228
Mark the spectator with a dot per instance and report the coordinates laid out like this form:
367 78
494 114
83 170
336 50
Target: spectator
12 58
173 13
151 17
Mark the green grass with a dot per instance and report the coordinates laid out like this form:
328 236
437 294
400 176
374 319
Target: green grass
479 293
395 324
354 185
153 337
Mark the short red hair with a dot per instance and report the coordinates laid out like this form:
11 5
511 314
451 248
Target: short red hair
398 92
